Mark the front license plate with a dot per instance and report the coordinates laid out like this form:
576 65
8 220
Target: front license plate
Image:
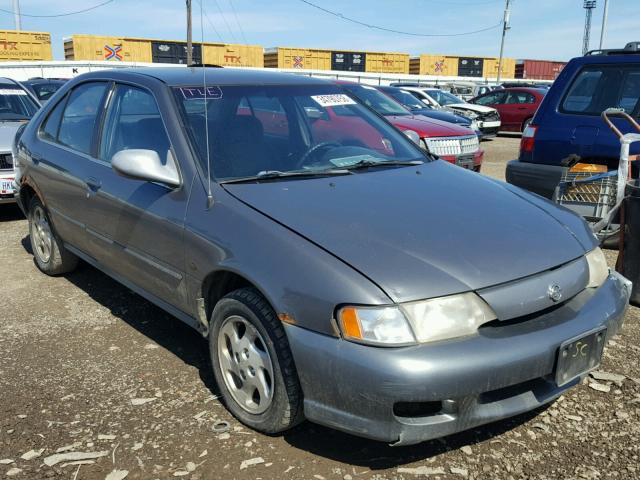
6 186
580 355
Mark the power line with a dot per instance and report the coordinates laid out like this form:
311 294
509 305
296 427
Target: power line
390 30
59 14
213 27
224 19
235 14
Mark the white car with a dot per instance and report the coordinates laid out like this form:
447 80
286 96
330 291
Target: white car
487 118
17 106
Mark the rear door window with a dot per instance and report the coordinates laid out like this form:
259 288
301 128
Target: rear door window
520 97
81 115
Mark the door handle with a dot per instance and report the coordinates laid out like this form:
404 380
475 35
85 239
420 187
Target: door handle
93 185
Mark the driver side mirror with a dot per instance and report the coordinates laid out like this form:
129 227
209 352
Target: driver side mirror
146 165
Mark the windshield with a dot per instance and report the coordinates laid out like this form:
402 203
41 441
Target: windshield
257 131
15 103
376 100
444 98
44 91
406 99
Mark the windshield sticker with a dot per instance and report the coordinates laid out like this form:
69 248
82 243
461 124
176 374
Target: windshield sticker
198 93
333 100
6 91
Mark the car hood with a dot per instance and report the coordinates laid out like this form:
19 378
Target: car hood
7 133
428 127
472 106
426 231
443 116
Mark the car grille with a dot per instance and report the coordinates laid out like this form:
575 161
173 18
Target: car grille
6 161
446 146
491 117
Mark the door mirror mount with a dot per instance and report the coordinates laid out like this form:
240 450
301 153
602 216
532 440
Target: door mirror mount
146 165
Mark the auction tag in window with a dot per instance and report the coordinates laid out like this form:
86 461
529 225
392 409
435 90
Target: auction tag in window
333 100
6 91
199 93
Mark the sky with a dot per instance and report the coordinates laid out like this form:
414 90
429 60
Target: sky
541 29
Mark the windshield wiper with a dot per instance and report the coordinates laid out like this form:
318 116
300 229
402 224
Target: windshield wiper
275 174
389 163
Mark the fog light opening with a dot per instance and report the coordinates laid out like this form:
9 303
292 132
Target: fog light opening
417 409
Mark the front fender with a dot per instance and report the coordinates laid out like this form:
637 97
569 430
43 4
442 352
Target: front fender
297 277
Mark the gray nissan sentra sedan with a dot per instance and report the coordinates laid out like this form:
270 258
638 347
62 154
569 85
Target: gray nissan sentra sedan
340 273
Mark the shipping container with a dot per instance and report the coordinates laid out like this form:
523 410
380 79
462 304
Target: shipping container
444 65
93 47
340 60
455 66
21 45
538 69
491 68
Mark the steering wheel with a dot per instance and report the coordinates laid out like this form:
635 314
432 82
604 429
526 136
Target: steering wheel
314 149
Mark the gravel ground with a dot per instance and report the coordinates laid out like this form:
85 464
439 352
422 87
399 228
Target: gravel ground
96 383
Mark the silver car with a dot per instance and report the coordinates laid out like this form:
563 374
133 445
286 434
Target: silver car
17 106
339 273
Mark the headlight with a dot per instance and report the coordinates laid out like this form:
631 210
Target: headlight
474 126
424 321
598 268
447 317
375 325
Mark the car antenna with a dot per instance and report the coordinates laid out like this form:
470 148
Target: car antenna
206 115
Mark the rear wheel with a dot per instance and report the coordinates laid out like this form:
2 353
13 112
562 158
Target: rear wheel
252 363
48 250
526 123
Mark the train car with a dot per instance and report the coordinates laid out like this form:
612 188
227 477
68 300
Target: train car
538 69
94 47
20 45
456 66
340 60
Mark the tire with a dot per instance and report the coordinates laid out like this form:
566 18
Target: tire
241 322
526 123
48 250
610 239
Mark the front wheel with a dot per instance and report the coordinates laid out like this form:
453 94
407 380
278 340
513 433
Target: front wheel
252 363
48 250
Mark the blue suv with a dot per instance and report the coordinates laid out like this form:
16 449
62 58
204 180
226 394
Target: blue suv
567 126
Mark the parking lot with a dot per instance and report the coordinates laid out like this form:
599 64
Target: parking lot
88 366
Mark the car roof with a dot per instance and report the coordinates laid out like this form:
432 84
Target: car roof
224 76
541 91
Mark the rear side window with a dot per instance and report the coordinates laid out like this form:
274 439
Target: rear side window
51 125
597 88
133 122
80 116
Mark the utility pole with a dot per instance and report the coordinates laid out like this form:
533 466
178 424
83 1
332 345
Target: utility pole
16 14
588 5
603 30
189 42
505 27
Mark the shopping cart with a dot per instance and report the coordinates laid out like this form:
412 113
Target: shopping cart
594 192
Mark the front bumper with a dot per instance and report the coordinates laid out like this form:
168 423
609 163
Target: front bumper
503 371
472 161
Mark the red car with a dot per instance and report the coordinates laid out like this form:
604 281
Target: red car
454 143
516 105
